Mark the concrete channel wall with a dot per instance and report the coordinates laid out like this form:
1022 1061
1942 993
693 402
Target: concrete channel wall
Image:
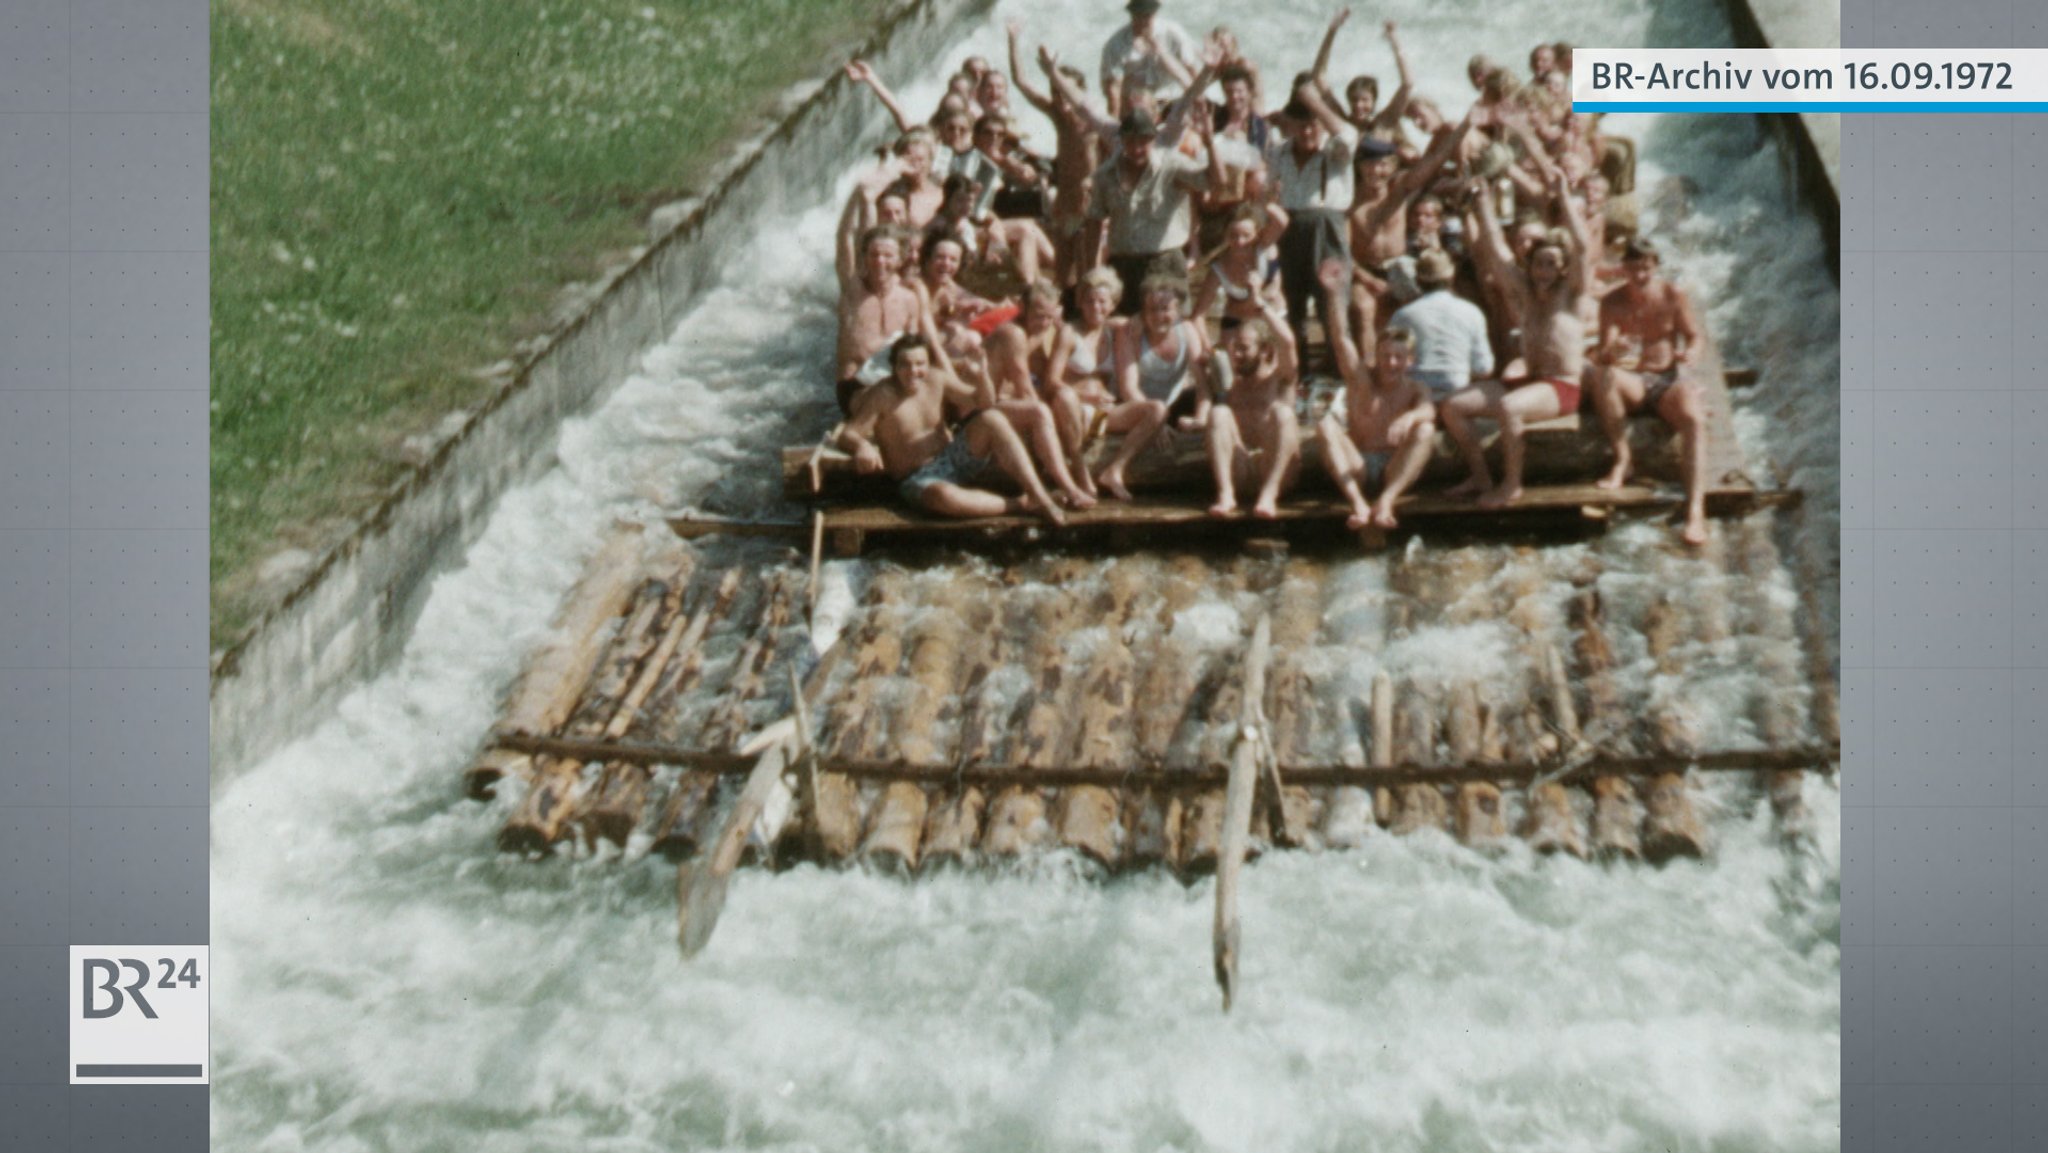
351 614
1810 142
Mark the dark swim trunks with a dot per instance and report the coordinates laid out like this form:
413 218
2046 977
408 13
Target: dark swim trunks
1655 385
955 464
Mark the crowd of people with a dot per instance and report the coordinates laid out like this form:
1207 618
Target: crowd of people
1002 307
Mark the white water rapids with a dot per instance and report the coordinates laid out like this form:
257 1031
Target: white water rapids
385 980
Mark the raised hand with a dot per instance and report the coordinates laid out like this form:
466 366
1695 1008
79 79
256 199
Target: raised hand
859 72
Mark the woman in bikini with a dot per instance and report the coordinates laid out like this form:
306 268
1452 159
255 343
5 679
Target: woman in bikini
1244 271
1163 371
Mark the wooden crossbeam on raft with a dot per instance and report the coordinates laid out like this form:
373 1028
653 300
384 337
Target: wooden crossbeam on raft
1155 775
1245 765
892 522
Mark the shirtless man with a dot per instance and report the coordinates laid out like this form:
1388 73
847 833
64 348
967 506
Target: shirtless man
899 427
1548 289
877 306
1386 430
1379 222
1254 436
1652 317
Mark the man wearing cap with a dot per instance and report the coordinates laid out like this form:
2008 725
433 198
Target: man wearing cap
1310 173
1451 349
1155 55
1144 196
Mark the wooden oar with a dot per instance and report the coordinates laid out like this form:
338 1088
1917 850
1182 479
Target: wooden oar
1237 809
700 888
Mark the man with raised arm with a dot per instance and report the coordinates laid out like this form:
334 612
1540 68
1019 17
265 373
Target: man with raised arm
1549 288
1144 198
1378 222
1383 427
899 427
1149 54
1648 339
876 307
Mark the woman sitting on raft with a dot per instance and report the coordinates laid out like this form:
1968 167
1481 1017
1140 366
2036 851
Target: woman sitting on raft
1244 271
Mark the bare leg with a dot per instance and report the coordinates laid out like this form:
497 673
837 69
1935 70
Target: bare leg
1282 446
947 499
991 435
1224 445
1535 401
1615 391
1457 414
1034 420
1138 423
1682 408
1345 466
1409 461
1070 419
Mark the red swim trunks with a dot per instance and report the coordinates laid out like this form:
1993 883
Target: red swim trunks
1567 393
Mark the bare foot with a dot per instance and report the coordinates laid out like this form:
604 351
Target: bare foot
1267 510
1112 482
1470 486
1618 475
1501 497
1224 508
1080 498
1385 518
1695 533
1053 512
1360 516
1083 479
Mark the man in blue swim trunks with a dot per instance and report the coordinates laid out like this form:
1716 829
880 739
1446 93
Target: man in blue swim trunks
900 428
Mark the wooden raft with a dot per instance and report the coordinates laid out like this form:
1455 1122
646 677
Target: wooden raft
1064 703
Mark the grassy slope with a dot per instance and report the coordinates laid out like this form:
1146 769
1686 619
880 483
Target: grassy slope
399 189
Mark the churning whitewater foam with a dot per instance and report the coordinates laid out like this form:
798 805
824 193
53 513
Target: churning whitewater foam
386 981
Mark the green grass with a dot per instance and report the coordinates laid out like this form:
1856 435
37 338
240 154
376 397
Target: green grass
401 187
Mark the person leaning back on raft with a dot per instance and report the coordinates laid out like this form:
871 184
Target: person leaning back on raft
899 428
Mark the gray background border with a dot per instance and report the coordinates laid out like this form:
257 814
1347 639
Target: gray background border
103 786
103 565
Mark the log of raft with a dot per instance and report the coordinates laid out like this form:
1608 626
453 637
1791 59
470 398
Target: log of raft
558 785
1480 814
1088 819
1616 813
896 824
689 817
1290 706
1775 657
1671 826
546 693
1017 821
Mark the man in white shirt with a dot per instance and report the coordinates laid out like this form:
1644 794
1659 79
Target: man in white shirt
1310 173
1149 53
1451 347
